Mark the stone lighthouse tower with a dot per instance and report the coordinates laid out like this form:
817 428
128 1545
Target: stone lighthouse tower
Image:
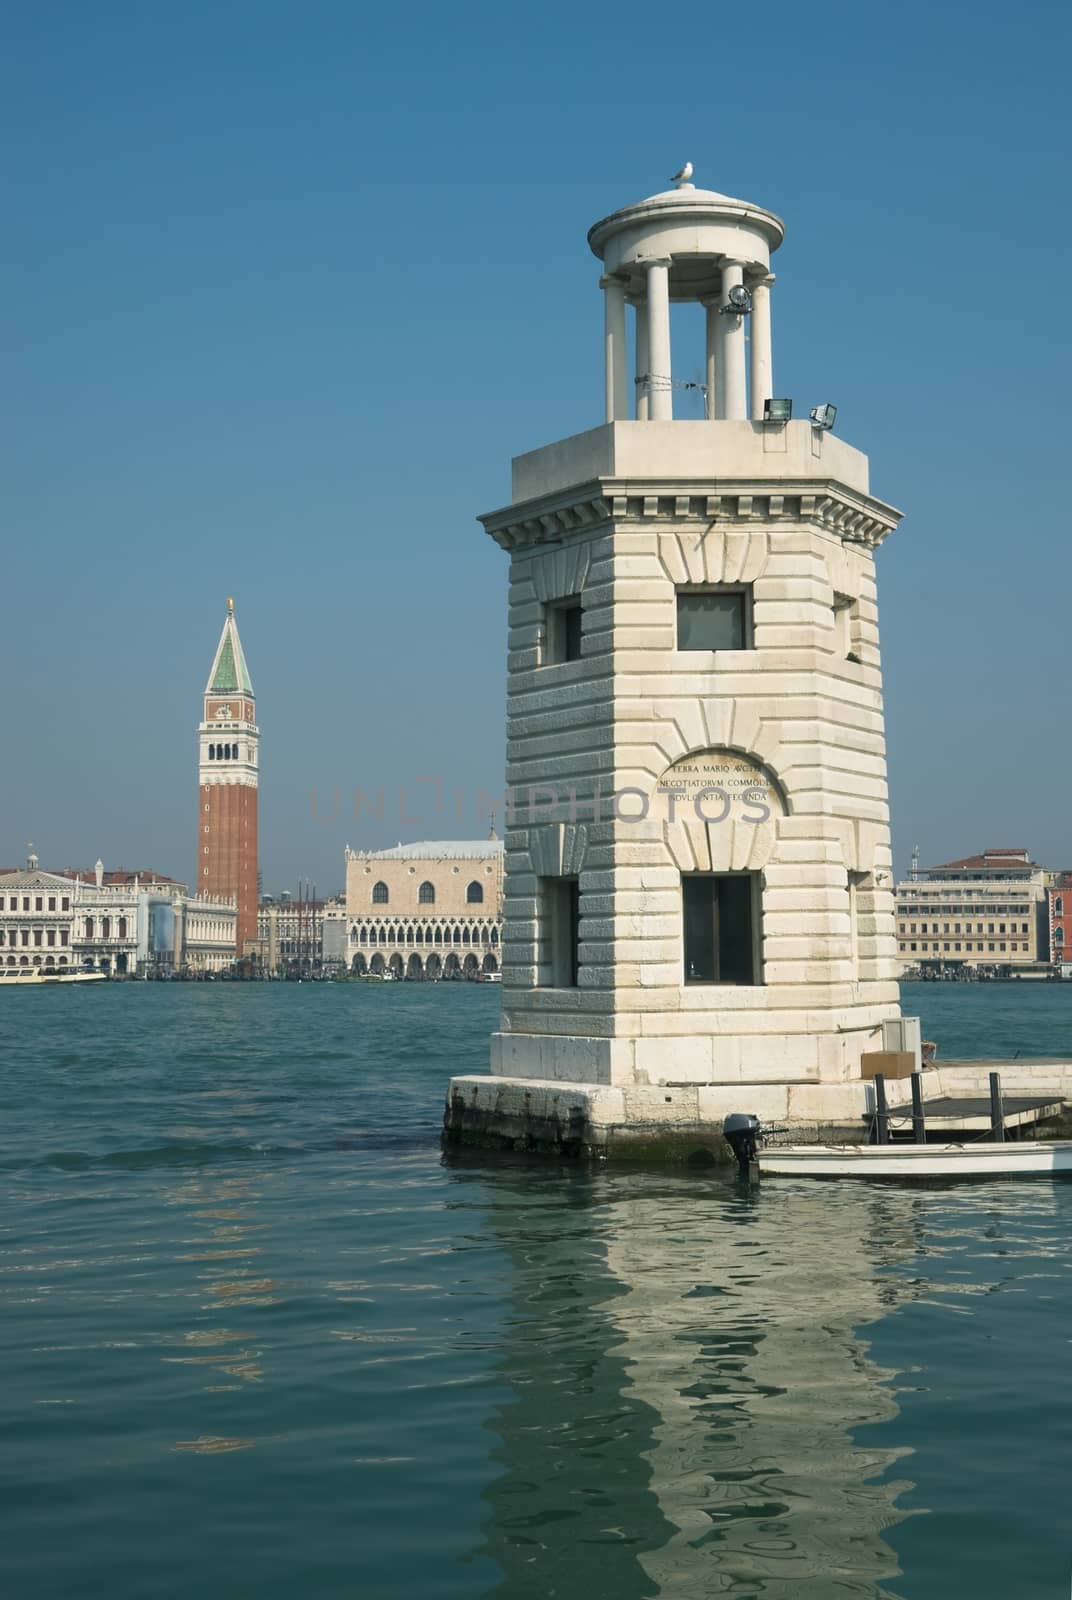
698 900
228 766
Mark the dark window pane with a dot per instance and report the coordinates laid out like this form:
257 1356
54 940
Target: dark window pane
710 620
735 929
571 632
562 630
718 928
561 914
573 931
699 899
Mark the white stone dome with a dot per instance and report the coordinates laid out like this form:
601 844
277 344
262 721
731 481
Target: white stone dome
693 228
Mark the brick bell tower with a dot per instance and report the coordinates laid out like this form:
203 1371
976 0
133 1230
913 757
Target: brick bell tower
227 770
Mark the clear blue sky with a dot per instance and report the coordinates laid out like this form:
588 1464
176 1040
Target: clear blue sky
287 285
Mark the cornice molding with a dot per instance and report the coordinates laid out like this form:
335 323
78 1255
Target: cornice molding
212 778
592 507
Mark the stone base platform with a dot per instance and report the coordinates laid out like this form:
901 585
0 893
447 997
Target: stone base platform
640 1122
637 1122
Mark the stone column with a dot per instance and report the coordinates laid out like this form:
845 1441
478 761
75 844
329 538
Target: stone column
661 401
732 389
614 349
641 346
762 359
711 410
179 943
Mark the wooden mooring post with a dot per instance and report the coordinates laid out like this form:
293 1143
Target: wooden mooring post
882 1110
997 1109
919 1121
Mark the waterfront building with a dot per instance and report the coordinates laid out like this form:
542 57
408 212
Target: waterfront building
206 933
121 922
104 921
121 919
1059 922
291 932
699 893
426 910
984 911
228 765
334 946
36 918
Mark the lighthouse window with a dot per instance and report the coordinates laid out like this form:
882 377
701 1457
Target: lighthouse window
847 626
560 932
719 925
715 618
562 630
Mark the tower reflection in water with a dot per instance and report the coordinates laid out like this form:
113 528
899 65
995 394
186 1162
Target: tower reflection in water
686 1367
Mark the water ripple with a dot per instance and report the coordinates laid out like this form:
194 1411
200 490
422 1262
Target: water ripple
255 1326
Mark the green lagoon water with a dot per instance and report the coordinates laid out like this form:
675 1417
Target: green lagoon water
260 1339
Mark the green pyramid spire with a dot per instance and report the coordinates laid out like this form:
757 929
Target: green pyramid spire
229 674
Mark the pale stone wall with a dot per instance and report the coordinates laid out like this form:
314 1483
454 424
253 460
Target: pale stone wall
971 923
449 876
455 928
209 931
804 704
37 919
57 920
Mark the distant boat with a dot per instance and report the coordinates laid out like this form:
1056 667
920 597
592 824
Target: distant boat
13 978
984 1159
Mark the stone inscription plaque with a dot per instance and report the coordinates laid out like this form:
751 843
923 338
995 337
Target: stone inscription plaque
713 785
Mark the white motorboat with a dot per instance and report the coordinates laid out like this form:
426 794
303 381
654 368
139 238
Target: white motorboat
38 977
981 1159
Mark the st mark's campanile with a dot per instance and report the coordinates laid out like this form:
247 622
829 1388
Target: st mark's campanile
227 768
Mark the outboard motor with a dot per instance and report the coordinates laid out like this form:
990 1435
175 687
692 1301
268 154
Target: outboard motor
741 1132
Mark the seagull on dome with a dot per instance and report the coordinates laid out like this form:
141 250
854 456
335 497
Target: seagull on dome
684 175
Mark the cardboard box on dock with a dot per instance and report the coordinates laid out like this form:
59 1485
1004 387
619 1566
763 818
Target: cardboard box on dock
891 1063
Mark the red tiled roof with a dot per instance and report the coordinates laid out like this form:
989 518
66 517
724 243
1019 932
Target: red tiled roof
990 858
118 876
